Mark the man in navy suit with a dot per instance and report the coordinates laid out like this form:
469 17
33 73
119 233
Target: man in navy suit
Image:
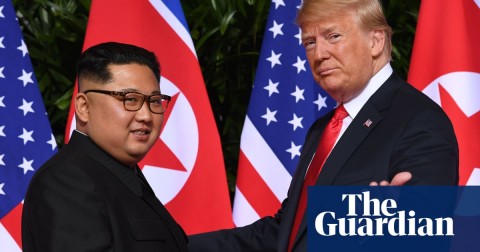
392 134
91 196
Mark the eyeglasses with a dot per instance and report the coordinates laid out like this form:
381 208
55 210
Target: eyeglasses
133 101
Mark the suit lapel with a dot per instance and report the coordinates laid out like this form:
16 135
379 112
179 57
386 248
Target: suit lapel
346 145
125 174
365 121
149 195
296 184
175 230
132 179
307 156
360 127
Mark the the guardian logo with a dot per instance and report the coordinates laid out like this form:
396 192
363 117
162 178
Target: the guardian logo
374 217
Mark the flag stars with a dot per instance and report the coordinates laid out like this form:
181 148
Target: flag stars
270 116
26 77
300 65
272 87
52 142
1 42
294 150
276 29
1 12
1 101
23 48
26 107
299 36
1 131
26 136
1 73
278 3
296 122
26 166
298 94
321 102
1 159
274 59
1 189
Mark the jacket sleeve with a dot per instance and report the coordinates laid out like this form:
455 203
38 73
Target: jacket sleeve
261 235
428 149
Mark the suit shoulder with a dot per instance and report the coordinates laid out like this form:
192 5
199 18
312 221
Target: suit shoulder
64 164
411 105
415 100
410 90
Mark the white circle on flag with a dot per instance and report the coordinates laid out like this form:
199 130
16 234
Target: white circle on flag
463 87
180 134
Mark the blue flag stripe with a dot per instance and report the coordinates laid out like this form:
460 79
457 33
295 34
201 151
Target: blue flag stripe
26 139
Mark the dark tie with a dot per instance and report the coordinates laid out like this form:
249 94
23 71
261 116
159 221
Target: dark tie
327 140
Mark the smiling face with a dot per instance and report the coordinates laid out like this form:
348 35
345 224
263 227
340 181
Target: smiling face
342 54
125 135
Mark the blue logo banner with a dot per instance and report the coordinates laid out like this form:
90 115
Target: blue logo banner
408 218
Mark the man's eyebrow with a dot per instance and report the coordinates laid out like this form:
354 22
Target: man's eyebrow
306 35
321 32
137 91
129 90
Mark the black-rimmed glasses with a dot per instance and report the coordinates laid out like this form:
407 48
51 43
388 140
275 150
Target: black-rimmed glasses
133 101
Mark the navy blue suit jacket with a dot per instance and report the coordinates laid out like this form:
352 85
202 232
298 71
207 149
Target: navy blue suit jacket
409 132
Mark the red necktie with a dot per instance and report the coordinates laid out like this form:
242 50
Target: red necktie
327 140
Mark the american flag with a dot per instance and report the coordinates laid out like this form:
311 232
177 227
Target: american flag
285 101
26 139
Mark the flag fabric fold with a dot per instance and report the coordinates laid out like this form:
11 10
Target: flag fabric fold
185 167
445 65
284 102
26 139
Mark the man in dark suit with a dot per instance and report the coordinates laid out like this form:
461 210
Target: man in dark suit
91 196
392 133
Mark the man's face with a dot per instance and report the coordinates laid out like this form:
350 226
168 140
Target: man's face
126 135
340 55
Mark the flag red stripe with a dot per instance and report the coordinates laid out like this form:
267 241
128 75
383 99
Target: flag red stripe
11 223
254 188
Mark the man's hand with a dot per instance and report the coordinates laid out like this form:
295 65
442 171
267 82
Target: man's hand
399 180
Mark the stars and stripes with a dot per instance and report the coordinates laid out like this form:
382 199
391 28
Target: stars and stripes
26 139
285 101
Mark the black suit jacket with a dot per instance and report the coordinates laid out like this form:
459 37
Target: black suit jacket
84 200
408 132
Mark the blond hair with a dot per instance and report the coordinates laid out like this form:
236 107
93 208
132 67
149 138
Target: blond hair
369 14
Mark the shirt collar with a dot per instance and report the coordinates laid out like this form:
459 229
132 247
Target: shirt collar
354 105
80 132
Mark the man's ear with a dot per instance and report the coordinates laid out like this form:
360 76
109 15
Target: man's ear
378 42
82 107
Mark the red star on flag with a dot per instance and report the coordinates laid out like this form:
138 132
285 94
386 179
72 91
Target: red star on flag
467 130
167 160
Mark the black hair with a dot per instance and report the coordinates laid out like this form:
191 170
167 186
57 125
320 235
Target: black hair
93 63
